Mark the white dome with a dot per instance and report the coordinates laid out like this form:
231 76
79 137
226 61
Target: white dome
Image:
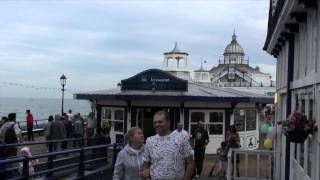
234 47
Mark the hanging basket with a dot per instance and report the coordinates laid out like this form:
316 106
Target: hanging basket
298 128
297 136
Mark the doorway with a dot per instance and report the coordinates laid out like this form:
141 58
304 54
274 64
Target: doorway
145 119
214 123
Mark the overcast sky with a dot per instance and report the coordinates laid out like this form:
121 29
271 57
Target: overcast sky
98 43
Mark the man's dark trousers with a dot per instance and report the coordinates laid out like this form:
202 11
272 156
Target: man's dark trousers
30 132
198 158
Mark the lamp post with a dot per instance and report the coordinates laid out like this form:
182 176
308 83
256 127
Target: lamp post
63 81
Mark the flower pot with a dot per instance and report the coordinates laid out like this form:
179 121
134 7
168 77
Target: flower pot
297 135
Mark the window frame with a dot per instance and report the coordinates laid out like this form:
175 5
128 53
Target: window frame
113 121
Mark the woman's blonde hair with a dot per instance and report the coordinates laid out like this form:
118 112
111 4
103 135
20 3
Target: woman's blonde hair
130 133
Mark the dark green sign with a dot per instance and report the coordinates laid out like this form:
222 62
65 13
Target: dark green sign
154 80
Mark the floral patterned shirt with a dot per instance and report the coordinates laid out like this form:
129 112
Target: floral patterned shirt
167 156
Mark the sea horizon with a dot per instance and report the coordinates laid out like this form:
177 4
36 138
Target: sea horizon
41 108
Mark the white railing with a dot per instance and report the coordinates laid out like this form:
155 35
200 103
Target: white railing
297 172
256 167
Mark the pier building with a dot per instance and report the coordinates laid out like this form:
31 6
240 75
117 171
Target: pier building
293 39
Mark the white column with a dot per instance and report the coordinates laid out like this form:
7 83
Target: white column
232 118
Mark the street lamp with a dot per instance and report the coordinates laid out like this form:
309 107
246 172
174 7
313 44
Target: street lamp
63 81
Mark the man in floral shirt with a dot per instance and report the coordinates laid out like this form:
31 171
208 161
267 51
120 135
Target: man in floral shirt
166 155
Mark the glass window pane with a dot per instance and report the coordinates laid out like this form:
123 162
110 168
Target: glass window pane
216 129
106 114
118 115
251 123
216 117
239 118
118 126
197 116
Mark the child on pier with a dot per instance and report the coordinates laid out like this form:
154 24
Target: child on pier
25 151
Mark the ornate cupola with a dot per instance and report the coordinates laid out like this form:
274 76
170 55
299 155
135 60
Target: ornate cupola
176 63
233 53
201 75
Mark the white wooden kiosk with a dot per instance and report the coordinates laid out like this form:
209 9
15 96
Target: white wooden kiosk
139 97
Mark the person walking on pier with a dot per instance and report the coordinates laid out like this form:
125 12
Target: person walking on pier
69 130
166 156
234 142
29 125
57 131
78 131
8 136
180 132
91 126
70 115
201 140
129 163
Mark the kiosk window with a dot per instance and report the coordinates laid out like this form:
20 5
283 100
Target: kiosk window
216 117
197 116
251 121
245 119
118 126
215 129
107 114
118 115
239 119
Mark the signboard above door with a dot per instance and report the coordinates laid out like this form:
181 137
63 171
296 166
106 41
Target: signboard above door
154 80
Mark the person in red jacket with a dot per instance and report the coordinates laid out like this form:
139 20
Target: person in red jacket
29 125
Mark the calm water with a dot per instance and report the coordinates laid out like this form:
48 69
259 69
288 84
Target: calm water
41 108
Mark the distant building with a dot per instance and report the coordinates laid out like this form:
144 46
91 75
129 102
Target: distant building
137 98
176 63
201 75
188 100
234 70
294 40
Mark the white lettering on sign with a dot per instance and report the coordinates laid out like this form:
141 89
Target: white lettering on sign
159 80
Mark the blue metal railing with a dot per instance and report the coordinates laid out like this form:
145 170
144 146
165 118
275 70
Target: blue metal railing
38 125
80 158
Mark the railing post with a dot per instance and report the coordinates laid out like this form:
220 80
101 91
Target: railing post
258 165
3 165
81 165
36 123
229 167
50 160
234 164
25 168
114 156
246 165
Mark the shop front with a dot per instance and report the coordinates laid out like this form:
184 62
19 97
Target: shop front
139 97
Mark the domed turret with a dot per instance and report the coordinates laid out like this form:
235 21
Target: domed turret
234 47
233 53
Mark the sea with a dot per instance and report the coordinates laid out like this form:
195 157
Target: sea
41 108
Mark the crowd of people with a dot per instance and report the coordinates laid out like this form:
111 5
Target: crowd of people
169 155
166 155
58 127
